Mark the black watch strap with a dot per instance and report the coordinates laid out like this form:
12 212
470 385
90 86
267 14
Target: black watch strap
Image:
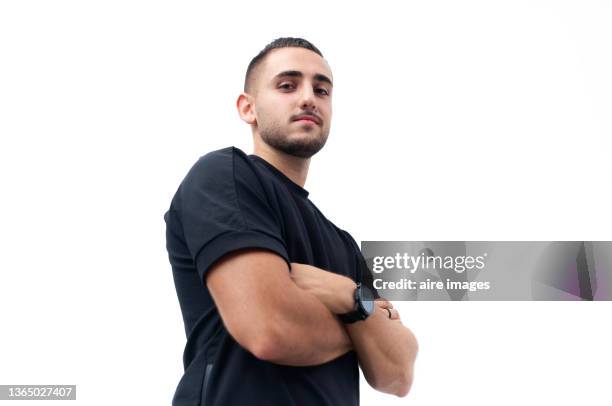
359 312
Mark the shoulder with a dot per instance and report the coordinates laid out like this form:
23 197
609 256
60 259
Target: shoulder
216 168
223 175
213 164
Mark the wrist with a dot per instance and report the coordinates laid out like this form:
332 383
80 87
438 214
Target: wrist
363 306
347 297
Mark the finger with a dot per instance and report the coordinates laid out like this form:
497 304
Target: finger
393 314
385 304
381 301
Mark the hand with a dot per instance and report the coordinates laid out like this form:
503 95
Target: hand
333 290
387 307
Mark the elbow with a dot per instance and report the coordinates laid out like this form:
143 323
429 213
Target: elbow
258 337
404 383
399 383
267 346
407 376
400 386
265 349
267 340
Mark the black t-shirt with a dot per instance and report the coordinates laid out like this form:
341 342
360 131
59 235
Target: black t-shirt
229 201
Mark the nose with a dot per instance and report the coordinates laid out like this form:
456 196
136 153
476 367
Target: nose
307 98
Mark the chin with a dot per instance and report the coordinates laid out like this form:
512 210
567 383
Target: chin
306 134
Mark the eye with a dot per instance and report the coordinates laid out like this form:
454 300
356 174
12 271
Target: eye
286 86
323 91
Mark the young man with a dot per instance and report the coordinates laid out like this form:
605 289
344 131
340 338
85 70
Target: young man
274 296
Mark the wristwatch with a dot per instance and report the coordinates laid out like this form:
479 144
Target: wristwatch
364 305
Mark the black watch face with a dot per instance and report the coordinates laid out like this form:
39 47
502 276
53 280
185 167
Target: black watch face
367 300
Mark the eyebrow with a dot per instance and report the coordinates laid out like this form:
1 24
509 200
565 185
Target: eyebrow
297 74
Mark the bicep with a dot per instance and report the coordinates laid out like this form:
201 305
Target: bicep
247 287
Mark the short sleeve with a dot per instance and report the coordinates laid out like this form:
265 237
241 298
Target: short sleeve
223 208
363 273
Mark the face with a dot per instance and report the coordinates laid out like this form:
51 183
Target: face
291 93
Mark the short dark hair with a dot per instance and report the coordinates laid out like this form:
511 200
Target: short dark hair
284 42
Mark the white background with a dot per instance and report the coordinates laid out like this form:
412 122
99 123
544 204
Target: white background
452 121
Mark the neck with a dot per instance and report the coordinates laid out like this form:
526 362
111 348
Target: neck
293 167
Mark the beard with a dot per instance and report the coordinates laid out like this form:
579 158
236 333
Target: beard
302 147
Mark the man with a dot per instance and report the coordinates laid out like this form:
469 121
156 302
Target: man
275 297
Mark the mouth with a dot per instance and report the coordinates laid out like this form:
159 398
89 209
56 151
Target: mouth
308 118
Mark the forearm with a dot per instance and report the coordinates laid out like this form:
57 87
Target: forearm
386 350
304 332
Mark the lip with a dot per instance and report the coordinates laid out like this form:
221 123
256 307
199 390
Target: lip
308 118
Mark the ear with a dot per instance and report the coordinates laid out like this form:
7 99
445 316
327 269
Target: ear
246 109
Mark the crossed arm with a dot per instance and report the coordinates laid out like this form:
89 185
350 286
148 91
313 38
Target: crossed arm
290 318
